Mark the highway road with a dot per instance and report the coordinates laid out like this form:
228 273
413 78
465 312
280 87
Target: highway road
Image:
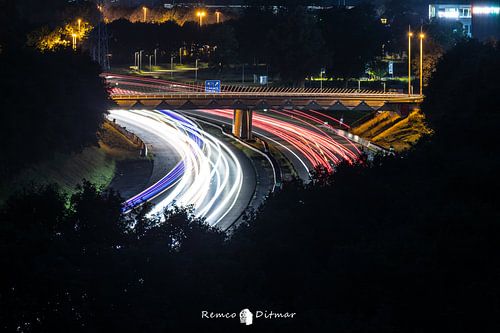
304 138
192 167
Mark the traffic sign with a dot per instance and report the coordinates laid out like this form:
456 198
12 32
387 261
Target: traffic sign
212 86
391 67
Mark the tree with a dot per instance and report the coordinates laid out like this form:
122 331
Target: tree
60 102
295 46
222 38
353 39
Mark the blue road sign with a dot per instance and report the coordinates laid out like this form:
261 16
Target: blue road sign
212 86
391 67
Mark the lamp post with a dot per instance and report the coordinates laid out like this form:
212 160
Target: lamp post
322 71
79 26
196 71
410 35
201 14
421 36
145 12
217 14
74 41
136 60
155 57
150 63
140 60
172 66
180 56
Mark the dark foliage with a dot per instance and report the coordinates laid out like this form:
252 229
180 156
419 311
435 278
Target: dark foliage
51 102
354 37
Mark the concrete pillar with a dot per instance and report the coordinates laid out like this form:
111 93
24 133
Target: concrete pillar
242 124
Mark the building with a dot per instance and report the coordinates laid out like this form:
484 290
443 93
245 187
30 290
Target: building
453 12
486 20
480 18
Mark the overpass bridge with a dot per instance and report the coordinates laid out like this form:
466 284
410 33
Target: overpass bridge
147 93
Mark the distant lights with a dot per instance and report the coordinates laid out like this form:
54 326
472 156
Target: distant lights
448 14
485 10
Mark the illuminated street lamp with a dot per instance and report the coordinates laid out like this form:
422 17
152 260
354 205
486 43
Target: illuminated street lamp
201 14
217 14
79 26
74 41
421 36
323 71
145 12
410 35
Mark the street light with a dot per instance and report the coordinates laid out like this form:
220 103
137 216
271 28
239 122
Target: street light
79 26
74 41
421 36
171 66
145 12
323 71
196 71
410 35
150 63
155 57
217 14
201 14
180 56
140 60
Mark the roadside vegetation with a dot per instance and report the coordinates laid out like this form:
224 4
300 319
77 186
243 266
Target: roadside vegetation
390 130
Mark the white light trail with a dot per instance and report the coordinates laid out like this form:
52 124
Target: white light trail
212 175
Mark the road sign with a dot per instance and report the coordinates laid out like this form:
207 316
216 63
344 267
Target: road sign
212 86
263 80
391 67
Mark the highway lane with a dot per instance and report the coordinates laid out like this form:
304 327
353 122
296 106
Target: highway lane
208 175
297 135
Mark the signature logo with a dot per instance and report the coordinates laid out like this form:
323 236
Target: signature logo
246 317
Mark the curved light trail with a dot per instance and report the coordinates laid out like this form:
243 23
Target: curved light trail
209 176
313 146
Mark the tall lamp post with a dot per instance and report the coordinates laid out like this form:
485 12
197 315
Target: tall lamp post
196 71
145 12
410 35
321 79
140 60
74 41
201 14
421 36
79 26
172 66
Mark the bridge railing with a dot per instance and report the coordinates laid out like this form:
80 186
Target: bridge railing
263 95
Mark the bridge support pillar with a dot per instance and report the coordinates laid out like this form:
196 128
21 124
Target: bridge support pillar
242 124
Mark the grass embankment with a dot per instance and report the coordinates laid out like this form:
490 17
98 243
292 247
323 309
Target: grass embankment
388 129
95 164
